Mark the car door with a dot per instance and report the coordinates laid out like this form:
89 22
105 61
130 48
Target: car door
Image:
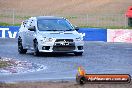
26 38
30 36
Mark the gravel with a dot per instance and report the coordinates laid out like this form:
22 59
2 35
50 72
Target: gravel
99 57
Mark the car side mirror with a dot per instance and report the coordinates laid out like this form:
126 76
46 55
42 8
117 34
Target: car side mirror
76 28
32 28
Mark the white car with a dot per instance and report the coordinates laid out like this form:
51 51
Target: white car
49 34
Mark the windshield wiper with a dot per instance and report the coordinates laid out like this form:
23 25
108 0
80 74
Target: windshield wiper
70 30
51 30
54 30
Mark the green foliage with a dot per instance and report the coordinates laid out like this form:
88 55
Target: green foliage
7 24
71 17
4 24
107 27
4 64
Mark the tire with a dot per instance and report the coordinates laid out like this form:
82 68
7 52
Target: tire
20 47
36 51
130 22
78 53
82 80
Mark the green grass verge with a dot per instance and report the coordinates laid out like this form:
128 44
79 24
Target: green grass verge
4 64
107 27
16 16
7 24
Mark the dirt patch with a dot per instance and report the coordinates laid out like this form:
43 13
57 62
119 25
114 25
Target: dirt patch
66 6
93 13
63 85
10 66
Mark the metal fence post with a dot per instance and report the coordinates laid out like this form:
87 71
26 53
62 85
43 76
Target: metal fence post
13 16
126 22
87 20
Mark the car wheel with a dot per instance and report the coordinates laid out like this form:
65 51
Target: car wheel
36 51
20 47
78 54
82 80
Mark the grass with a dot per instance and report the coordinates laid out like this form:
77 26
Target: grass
22 17
16 16
19 18
4 64
71 17
107 27
7 24
62 85
4 24
82 26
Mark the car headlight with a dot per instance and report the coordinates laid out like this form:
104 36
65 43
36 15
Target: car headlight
50 39
79 39
43 39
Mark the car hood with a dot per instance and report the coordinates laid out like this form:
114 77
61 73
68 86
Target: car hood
61 34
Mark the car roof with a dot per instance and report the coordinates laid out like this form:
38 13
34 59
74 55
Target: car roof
48 17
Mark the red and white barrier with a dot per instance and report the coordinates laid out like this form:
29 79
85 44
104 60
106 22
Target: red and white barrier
119 35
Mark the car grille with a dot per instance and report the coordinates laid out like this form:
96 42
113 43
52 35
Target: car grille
64 40
64 48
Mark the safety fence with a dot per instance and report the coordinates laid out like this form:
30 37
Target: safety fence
14 17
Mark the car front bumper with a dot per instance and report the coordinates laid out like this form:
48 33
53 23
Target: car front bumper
61 47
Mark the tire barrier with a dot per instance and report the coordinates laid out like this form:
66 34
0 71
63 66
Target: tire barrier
119 35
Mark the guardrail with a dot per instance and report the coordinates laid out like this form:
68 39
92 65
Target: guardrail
94 34
91 34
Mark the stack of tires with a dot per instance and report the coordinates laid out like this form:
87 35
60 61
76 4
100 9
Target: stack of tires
130 22
129 16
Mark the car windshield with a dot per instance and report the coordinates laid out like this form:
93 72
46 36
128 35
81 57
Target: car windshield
54 25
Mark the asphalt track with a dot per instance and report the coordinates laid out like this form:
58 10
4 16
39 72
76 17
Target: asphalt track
99 57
